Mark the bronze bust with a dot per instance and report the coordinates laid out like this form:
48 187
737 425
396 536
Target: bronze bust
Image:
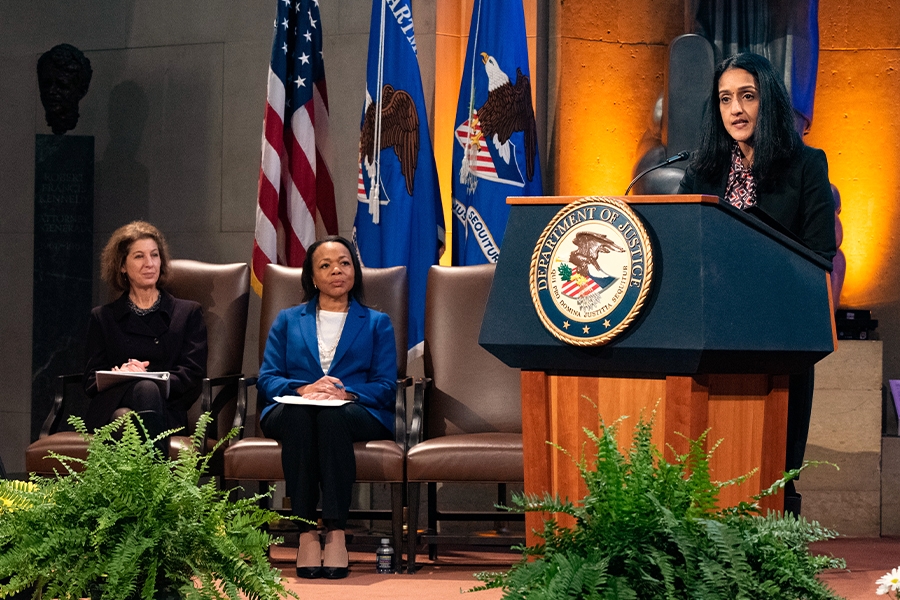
64 74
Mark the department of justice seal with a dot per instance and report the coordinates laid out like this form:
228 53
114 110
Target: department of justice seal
591 271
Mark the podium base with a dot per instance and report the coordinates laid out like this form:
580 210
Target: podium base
746 416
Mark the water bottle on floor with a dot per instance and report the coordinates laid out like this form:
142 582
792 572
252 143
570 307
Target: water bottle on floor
384 557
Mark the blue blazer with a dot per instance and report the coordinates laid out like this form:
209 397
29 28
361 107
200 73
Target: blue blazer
365 359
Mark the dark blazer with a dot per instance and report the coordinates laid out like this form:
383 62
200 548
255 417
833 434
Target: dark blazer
173 339
797 195
365 359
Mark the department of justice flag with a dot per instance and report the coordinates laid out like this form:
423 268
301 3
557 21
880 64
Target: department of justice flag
495 150
399 219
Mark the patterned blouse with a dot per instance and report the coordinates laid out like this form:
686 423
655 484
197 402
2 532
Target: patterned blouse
741 189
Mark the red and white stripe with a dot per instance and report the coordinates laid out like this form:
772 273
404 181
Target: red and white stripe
296 192
361 185
466 135
574 290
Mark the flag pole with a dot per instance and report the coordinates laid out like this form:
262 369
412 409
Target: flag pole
470 160
375 185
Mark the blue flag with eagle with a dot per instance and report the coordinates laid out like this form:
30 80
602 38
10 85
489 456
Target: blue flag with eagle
399 219
495 152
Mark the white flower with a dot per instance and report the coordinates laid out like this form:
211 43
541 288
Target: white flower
890 582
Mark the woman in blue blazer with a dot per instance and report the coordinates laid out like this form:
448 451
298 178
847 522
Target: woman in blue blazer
331 349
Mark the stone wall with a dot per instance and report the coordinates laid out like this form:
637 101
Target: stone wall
846 431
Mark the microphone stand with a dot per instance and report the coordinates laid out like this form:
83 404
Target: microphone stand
672 159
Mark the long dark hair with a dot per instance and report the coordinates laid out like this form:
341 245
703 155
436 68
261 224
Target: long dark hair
306 278
774 138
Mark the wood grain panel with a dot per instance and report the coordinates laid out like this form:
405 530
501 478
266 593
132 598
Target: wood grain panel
748 413
536 420
737 406
686 415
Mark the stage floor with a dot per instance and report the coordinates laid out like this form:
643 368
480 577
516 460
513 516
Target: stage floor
867 560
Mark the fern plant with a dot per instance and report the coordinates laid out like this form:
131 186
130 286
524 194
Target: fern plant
133 525
649 528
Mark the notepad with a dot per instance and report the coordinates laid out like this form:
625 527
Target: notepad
108 379
308 401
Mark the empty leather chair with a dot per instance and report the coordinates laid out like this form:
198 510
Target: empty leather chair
467 417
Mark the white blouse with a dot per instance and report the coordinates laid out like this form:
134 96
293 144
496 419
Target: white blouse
329 326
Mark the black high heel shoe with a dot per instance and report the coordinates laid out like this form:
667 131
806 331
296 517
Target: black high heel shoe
310 572
335 572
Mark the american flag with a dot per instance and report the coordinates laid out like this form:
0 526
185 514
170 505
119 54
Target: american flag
296 193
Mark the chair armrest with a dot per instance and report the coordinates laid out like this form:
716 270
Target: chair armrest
51 423
400 433
228 383
213 406
416 428
240 412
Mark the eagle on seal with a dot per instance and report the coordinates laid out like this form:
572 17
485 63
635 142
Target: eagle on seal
507 110
589 245
399 130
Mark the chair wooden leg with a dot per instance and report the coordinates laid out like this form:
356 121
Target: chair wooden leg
265 502
412 526
501 527
397 525
432 518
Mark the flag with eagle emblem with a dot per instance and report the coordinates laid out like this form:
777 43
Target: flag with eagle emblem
399 219
495 152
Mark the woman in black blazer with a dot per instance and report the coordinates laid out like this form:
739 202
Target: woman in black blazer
750 154
145 329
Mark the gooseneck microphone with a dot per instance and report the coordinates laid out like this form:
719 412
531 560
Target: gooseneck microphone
672 159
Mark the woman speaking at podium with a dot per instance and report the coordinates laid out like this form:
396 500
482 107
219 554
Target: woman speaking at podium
750 154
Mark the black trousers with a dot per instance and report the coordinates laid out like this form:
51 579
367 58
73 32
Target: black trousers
800 396
146 400
317 453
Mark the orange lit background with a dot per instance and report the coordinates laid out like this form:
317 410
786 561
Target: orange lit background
611 64
606 71
856 122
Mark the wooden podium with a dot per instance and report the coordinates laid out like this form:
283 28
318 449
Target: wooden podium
735 307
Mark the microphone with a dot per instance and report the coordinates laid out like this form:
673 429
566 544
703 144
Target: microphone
672 159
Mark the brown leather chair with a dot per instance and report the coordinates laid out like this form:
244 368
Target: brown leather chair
223 291
467 416
380 461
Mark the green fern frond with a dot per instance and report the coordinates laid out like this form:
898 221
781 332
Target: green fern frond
131 521
651 528
16 494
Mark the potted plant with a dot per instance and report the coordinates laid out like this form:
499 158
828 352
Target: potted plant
649 528
133 525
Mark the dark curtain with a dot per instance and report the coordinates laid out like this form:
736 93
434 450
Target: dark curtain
784 31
